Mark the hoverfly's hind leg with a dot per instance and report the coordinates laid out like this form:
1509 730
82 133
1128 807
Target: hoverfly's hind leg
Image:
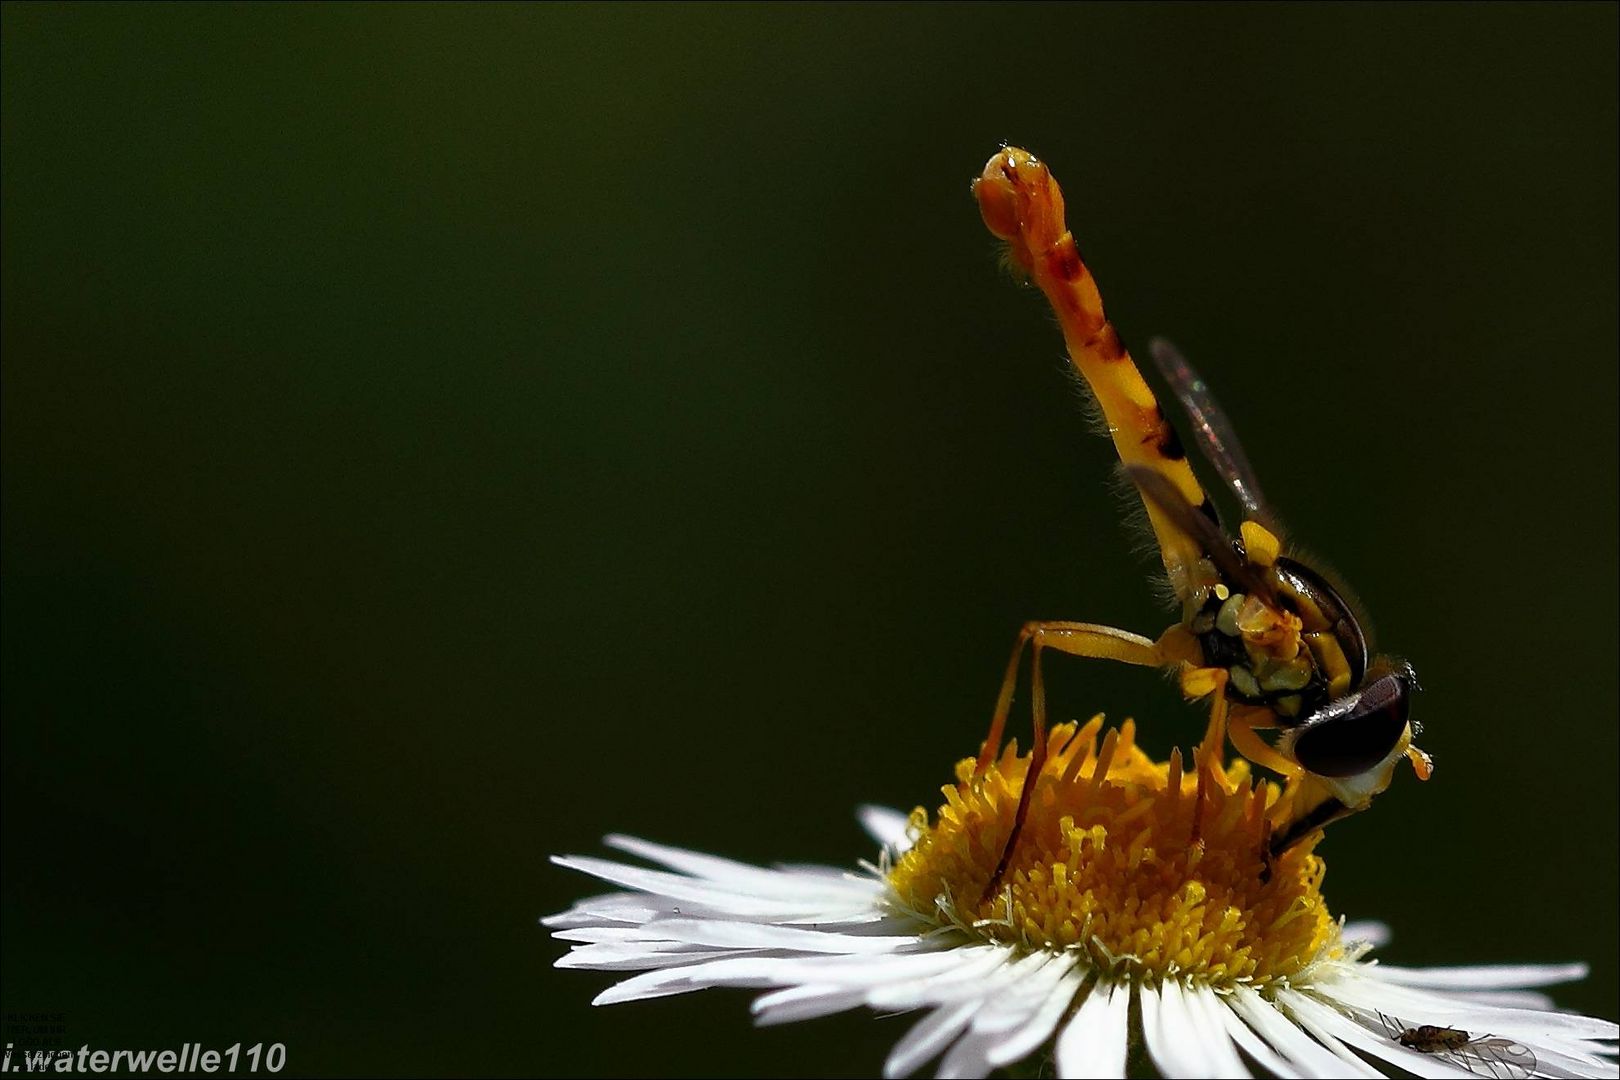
1091 640
1077 639
1032 775
998 719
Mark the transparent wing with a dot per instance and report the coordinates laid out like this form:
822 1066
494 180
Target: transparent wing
1189 519
1211 428
1502 1059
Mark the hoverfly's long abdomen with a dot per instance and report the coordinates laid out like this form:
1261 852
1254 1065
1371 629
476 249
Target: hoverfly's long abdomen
1021 204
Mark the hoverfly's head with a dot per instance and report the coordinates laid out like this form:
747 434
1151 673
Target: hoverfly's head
1351 744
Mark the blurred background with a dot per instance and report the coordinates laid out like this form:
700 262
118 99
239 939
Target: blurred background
436 437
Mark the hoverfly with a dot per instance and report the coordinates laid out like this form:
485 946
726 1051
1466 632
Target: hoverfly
1264 637
1484 1055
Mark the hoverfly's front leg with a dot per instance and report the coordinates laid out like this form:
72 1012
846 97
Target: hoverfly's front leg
1306 806
1077 639
1243 721
1210 682
1283 828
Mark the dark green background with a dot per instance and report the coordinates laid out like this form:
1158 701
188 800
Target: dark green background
436 437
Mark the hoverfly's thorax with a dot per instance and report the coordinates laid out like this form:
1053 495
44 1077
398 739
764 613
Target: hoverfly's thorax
1290 643
1266 656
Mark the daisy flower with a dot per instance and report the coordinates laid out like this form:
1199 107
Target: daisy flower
1113 928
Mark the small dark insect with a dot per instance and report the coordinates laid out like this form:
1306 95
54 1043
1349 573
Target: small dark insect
1483 1055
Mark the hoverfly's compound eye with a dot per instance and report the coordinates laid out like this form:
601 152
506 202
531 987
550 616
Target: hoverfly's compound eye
1352 735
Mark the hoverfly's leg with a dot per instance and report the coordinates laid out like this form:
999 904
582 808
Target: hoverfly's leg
1212 749
1242 722
1200 682
1287 824
998 720
1077 639
1032 776
1305 808
1091 640
1282 811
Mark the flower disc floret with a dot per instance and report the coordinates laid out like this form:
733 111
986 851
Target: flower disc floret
1125 858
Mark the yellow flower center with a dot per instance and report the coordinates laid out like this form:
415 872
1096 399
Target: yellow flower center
1122 857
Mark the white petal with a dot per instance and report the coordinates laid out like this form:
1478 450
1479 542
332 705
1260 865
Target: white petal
827 873
927 1038
1170 1033
805 1003
1203 1005
1253 1045
668 988
793 894
1550 1062
597 934
680 887
1593 1046
639 962
720 969
862 971
1306 1055
1492 977
1308 1014
1509 999
967 1057
1093 1044
983 971
613 957
822 880
1014 1007
1005 1017
1367 931
1179 1038
749 935
887 827
1368 992
617 907
869 917
1035 1031
679 980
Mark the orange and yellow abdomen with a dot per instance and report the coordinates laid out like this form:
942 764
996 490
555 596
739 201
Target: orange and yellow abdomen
1021 204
